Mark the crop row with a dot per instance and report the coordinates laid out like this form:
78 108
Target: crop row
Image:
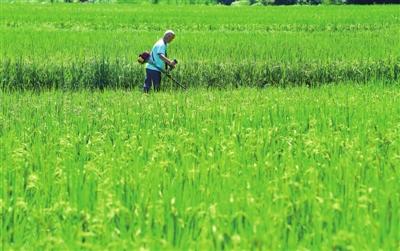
99 73
35 14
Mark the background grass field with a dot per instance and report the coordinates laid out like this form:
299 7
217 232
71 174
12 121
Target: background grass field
224 165
96 46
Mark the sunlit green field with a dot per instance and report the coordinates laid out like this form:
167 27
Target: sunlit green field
288 137
96 46
277 169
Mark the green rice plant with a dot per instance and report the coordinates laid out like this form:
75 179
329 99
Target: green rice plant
250 46
282 168
100 73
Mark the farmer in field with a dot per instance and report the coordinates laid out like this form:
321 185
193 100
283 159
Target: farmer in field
158 62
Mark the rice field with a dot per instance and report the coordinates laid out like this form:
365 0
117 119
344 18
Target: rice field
266 170
92 46
288 137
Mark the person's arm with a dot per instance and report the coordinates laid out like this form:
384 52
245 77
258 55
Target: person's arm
167 60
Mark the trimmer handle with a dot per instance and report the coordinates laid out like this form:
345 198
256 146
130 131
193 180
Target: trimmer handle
171 67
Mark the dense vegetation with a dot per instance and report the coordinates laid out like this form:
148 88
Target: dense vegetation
214 167
80 46
278 169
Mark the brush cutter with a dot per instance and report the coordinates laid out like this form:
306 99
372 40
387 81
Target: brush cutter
145 58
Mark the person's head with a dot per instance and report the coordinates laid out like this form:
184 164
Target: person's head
169 35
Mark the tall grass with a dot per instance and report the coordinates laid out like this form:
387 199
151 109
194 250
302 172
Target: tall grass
64 46
279 169
240 169
104 73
